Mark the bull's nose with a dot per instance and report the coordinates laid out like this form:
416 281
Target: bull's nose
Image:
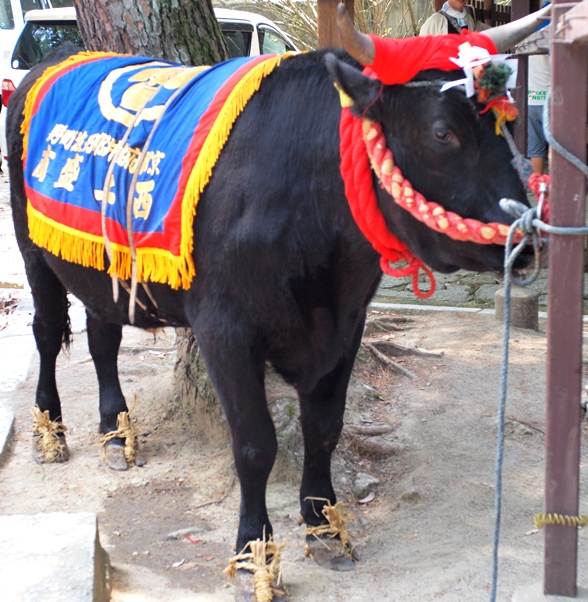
512 207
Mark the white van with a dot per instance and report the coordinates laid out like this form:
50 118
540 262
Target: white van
12 21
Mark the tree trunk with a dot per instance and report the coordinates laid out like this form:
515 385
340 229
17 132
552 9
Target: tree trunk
194 395
184 31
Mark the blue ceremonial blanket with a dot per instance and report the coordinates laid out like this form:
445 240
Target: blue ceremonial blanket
117 151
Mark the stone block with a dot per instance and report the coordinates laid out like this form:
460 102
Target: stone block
524 307
53 557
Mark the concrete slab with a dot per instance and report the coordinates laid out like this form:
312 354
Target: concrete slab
534 593
408 308
52 557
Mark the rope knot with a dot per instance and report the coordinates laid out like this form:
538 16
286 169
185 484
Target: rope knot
526 221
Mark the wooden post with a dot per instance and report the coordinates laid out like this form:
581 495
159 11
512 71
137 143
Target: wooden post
488 8
564 348
521 8
328 29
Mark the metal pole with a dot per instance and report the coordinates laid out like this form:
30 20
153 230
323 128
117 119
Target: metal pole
564 348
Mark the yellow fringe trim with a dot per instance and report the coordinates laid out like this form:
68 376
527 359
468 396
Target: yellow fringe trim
65 242
564 520
153 265
214 144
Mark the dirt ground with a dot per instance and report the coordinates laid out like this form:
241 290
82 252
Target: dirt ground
426 535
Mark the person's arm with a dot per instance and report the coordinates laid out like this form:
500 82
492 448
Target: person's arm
435 25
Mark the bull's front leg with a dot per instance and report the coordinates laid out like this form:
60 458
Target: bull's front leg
322 411
237 373
119 438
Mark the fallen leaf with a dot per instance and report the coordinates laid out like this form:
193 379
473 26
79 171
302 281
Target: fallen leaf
368 498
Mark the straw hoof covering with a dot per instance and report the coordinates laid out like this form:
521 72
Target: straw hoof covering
121 447
257 572
328 543
245 588
49 443
58 452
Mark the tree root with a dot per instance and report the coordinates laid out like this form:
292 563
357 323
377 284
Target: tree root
377 447
398 350
385 324
369 430
384 359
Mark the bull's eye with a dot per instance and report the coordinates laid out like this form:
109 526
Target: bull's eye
443 133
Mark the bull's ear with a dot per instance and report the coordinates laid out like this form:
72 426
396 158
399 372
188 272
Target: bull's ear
359 91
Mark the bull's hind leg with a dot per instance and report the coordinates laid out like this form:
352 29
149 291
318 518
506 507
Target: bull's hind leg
51 329
119 442
321 417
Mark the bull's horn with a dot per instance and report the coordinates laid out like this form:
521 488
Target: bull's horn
510 34
505 37
357 44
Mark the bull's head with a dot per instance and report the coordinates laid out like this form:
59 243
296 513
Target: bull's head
438 139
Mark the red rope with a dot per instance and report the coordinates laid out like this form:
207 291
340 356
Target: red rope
357 175
432 214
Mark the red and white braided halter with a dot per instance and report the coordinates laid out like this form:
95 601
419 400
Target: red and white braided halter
363 148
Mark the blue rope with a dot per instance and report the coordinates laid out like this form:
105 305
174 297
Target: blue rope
555 145
510 256
500 437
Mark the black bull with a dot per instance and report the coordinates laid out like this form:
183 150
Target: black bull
283 273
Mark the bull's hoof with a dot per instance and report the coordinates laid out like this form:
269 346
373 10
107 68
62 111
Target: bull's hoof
115 454
245 589
56 452
330 553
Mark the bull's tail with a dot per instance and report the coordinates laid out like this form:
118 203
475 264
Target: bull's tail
67 336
